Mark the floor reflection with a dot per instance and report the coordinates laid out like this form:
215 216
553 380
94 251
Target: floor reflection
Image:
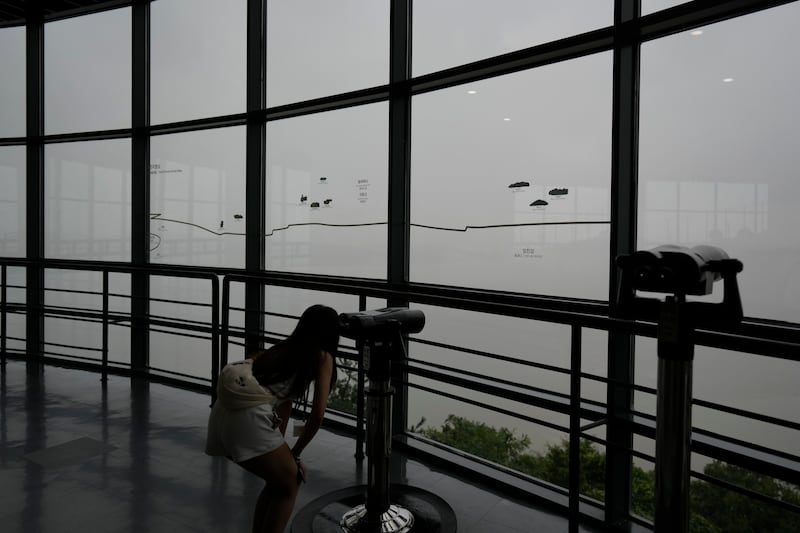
78 454
35 439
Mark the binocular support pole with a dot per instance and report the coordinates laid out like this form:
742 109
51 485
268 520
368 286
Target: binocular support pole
379 336
674 416
378 515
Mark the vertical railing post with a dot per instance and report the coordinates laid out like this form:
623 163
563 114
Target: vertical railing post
3 332
215 336
105 326
575 430
223 336
362 306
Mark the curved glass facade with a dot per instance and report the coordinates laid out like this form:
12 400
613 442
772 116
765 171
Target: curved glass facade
484 162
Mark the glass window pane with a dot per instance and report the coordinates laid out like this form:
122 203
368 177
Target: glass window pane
719 150
651 6
447 33
66 337
318 48
753 383
88 71
12 82
750 382
197 59
71 289
119 333
283 303
526 341
188 301
197 198
505 336
12 201
327 193
594 362
510 181
646 374
87 206
15 322
516 441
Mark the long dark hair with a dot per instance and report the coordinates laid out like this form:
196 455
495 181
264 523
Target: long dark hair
298 356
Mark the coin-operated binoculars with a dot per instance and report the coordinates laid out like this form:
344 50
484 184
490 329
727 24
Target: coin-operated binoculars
379 338
678 272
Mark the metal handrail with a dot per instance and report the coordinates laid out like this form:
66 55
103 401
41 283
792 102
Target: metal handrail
577 314
104 315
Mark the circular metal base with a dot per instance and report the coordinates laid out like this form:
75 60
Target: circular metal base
396 519
431 514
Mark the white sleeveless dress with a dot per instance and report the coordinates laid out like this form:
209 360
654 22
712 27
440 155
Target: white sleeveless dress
243 423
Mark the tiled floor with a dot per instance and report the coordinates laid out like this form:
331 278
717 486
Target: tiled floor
76 456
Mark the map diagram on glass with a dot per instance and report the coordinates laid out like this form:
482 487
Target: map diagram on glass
521 186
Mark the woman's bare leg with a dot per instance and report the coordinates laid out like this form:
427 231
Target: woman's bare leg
276 501
260 510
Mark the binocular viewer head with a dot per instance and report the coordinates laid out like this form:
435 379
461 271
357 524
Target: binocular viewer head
381 323
677 269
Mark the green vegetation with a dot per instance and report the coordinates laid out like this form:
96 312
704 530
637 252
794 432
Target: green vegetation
345 392
732 512
713 508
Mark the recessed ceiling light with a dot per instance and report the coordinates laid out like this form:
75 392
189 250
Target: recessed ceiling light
472 92
727 80
507 119
696 32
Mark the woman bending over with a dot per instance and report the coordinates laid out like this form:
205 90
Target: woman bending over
254 401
